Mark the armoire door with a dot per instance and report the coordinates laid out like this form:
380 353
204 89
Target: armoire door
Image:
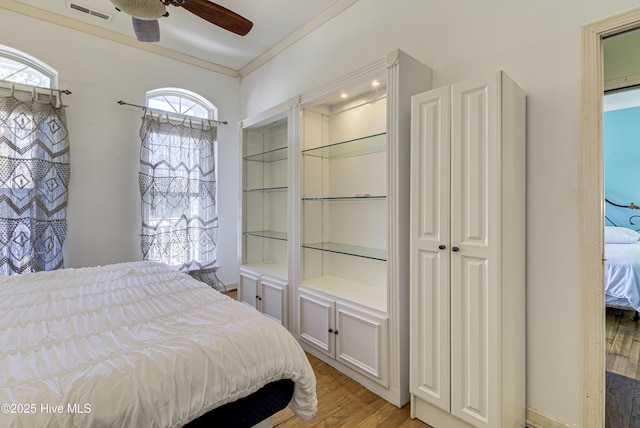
430 248
475 269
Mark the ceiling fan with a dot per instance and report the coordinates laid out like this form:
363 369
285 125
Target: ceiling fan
145 15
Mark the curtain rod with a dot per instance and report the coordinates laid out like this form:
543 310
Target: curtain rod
62 91
122 103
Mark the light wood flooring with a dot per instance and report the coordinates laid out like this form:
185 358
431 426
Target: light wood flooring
344 403
622 400
623 343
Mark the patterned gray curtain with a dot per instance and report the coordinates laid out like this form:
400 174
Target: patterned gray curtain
34 182
178 188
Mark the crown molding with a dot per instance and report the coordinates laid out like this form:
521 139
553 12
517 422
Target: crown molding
336 8
54 18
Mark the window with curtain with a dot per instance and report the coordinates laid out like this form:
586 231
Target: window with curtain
178 181
34 166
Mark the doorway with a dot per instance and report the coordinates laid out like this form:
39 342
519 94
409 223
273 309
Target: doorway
592 190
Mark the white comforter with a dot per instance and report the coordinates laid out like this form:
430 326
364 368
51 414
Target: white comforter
134 345
622 275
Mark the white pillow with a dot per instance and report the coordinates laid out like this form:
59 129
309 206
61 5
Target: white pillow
620 235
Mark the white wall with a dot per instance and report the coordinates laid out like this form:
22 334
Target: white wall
104 200
539 45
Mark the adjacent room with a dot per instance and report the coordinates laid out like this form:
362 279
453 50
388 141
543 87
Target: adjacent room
621 113
207 206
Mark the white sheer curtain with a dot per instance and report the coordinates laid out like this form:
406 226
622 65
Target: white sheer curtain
34 180
178 188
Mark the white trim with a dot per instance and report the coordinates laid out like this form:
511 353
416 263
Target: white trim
537 419
591 191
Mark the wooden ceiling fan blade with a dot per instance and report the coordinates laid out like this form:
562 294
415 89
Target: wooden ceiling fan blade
147 31
219 15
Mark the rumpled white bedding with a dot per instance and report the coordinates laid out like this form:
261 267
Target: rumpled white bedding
622 275
134 345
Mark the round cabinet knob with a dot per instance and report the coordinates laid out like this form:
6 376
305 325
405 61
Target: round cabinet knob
335 331
455 249
442 246
330 330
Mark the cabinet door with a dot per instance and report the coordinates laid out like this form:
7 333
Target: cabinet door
248 287
361 341
475 278
316 315
430 247
273 299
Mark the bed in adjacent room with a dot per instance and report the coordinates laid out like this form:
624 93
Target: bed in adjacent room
140 344
622 268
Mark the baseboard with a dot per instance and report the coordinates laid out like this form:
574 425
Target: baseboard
537 419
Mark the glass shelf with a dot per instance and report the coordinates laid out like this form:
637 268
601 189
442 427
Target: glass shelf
350 250
359 146
345 198
269 234
268 156
267 189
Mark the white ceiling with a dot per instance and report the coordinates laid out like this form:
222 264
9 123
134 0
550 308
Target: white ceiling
276 24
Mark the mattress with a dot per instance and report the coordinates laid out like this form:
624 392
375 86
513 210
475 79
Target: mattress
622 275
135 344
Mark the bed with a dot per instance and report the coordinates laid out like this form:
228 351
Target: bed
142 345
622 275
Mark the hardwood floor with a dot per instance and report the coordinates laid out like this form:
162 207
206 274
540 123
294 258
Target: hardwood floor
622 400
623 343
344 403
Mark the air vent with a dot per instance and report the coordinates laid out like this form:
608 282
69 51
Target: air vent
88 11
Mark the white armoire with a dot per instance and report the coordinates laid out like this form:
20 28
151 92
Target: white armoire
468 255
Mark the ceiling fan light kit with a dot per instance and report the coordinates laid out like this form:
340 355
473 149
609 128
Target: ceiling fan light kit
141 9
151 10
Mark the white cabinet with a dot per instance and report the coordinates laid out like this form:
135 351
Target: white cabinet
354 222
266 294
467 255
356 337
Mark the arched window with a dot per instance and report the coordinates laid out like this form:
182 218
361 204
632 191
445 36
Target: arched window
182 102
178 180
18 67
34 153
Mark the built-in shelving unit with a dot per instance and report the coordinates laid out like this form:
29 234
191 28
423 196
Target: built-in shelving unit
352 283
264 249
265 190
344 201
